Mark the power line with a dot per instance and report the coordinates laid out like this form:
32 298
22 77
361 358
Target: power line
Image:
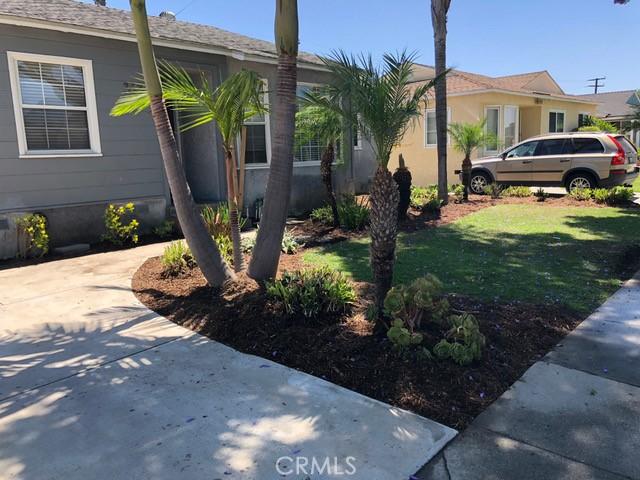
185 7
596 83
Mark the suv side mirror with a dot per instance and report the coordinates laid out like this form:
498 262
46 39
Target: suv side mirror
503 155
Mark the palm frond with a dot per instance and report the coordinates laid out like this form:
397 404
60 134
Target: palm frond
467 137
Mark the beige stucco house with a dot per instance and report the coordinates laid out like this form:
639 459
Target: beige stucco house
515 107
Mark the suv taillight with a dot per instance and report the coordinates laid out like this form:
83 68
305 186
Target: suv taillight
619 158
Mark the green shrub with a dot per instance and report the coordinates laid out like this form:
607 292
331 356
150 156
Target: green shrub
463 342
118 232
225 245
322 215
289 244
517 191
613 196
165 229
420 196
409 305
312 292
34 227
581 194
540 194
494 190
177 258
216 218
458 190
594 124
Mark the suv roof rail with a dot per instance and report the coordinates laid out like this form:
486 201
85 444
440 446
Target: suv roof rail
552 134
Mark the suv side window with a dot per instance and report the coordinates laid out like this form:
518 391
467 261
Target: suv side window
587 145
525 150
555 146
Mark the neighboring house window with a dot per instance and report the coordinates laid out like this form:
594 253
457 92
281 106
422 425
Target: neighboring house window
307 148
430 133
54 104
582 119
492 126
511 120
556 121
357 136
258 148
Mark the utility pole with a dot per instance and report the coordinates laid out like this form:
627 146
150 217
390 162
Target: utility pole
596 83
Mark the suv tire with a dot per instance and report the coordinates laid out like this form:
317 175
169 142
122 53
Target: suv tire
580 180
478 181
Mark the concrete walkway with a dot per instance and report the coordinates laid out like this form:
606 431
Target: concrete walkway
95 386
574 415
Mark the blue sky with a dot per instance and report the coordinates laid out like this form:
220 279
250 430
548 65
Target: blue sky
574 39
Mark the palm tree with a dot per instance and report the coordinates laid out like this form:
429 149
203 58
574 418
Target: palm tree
466 138
230 105
439 9
317 122
204 249
266 253
382 103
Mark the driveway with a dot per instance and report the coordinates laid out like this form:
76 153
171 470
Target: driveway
93 385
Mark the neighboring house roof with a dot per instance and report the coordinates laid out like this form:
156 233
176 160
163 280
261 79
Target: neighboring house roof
534 83
615 104
90 19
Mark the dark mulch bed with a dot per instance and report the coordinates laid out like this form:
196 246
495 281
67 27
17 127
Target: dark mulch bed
345 352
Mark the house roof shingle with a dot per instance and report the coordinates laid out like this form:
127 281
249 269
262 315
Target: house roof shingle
459 81
96 18
615 104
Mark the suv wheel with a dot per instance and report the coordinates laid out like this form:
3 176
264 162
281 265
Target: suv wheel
478 182
580 180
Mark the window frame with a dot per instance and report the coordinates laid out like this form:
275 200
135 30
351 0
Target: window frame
91 108
433 110
267 131
564 120
586 114
500 133
308 164
516 136
357 133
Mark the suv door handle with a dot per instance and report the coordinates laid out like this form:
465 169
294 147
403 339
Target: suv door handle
526 161
565 160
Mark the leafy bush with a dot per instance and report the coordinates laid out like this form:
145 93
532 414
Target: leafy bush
517 191
540 194
177 258
614 196
594 124
494 190
420 196
463 342
458 190
34 226
312 292
352 212
409 305
165 229
225 245
581 194
216 218
289 244
118 232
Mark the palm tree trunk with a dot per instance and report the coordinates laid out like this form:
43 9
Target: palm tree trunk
266 253
383 199
325 173
439 9
466 176
204 249
234 218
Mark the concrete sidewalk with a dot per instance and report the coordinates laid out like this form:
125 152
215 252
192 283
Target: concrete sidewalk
574 415
95 386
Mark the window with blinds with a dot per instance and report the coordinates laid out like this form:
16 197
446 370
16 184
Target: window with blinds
53 112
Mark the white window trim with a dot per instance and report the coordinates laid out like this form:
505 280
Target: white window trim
90 98
267 132
433 110
500 127
517 133
564 120
358 133
307 164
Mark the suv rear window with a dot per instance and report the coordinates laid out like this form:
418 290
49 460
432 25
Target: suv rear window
587 145
556 146
626 144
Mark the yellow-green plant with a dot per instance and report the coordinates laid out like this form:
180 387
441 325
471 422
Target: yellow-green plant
34 226
517 191
118 232
463 342
176 258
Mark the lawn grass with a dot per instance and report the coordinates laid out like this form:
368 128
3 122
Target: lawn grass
566 255
636 184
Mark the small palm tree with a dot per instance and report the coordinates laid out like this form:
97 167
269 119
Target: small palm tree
204 249
230 105
466 138
318 122
382 103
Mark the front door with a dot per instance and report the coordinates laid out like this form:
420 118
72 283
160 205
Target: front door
552 160
517 164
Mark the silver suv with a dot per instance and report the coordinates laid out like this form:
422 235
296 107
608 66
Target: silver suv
571 160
